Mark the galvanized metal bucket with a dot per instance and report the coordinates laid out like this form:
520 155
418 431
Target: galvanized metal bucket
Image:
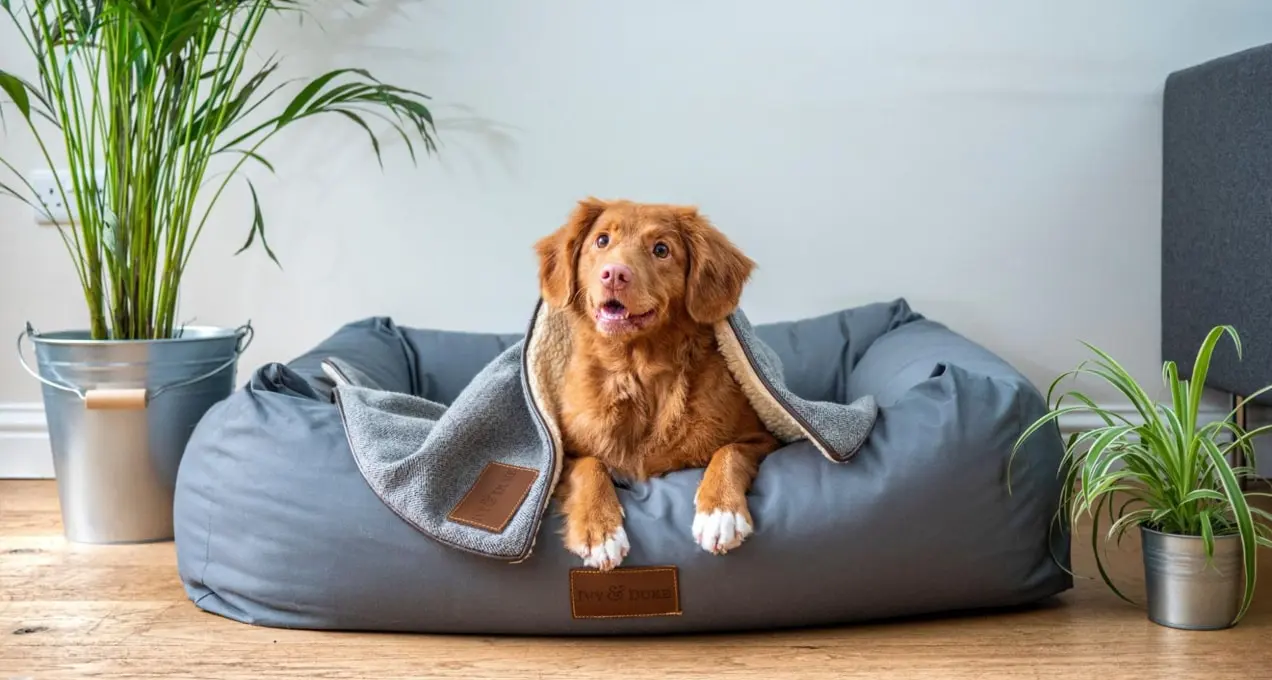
1187 590
119 414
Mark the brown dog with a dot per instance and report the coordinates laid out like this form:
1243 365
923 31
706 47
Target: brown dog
646 388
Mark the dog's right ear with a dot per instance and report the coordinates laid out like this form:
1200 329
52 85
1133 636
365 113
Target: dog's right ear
717 269
559 253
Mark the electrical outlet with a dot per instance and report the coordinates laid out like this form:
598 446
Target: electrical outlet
49 206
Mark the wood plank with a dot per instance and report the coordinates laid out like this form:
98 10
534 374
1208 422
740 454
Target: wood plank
71 611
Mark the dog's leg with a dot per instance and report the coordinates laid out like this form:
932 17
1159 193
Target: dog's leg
593 515
722 520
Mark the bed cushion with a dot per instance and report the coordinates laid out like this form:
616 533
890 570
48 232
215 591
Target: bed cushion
275 525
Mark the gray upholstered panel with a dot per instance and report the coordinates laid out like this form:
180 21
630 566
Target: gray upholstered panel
1217 215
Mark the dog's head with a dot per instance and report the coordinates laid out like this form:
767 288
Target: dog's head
634 267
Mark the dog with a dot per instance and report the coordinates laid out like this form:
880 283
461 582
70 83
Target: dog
646 390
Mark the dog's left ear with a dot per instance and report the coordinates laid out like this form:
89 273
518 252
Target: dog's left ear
559 252
717 269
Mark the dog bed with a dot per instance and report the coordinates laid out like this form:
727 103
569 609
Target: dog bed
889 497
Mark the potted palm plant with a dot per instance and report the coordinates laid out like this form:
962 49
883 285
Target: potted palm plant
1168 475
146 97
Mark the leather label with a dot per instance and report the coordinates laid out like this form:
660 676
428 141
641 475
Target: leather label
626 592
494 498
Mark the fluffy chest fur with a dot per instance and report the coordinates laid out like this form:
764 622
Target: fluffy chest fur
646 409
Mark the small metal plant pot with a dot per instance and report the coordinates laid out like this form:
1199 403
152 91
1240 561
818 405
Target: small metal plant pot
119 414
1187 590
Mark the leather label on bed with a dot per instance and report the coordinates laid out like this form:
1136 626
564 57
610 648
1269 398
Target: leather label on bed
494 498
626 592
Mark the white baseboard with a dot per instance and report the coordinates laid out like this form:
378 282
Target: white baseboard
25 454
24 442
1082 421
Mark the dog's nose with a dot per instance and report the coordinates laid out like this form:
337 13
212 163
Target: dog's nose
616 276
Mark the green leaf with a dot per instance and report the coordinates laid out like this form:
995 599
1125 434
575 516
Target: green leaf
218 112
1247 437
1099 562
1121 378
17 91
1245 401
1042 421
308 92
1037 425
1202 365
363 98
10 191
1179 432
1126 504
1107 437
1126 521
1244 518
1104 414
1264 514
1054 383
375 143
253 155
1207 534
1203 495
258 227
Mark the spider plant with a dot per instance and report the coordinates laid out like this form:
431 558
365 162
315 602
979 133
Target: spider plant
1165 471
144 95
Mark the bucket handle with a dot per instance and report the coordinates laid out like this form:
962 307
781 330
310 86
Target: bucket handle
138 397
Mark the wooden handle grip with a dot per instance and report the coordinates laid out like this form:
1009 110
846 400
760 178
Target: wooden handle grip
115 399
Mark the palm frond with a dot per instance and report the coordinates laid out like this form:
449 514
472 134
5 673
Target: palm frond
143 95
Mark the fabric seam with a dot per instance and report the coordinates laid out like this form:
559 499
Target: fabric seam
527 384
207 526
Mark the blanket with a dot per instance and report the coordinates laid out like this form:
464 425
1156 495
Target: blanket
479 474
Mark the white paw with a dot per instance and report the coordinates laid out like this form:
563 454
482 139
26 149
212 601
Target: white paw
720 531
606 554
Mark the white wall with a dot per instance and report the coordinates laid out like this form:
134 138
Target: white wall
996 162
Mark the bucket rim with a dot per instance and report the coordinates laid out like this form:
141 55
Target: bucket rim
1218 537
242 337
82 336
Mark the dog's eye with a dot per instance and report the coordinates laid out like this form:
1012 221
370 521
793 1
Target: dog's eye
661 250
602 240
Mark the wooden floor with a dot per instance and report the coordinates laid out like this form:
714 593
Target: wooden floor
70 611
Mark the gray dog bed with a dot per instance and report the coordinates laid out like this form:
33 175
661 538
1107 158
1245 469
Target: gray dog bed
280 523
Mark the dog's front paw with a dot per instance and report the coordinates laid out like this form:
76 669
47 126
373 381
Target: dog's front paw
718 529
600 547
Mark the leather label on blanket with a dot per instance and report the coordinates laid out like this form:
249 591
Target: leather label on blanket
494 498
626 592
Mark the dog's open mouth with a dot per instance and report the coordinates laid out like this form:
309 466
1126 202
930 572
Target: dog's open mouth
614 317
